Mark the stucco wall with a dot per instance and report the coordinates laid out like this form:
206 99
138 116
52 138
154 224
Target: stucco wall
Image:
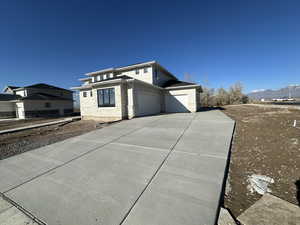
146 77
192 98
161 78
89 105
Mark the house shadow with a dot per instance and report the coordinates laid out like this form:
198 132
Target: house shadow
297 183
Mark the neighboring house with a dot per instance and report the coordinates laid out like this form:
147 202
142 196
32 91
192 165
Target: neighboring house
135 90
38 100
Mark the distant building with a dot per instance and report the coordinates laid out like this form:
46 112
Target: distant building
38 100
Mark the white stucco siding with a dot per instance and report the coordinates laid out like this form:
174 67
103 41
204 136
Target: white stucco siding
143 76
89 105
148 101
182 100
22 93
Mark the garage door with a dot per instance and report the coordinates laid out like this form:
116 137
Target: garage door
176 103
148 103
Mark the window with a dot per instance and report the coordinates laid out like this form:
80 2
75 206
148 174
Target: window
47 105
98 77
84 94
91 93
137 71
106 97
146 70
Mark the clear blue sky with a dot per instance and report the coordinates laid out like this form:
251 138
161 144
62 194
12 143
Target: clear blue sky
218 42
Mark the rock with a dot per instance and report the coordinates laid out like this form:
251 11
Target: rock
271 210
259 183
225 218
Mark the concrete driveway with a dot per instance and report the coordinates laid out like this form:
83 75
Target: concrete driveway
159 170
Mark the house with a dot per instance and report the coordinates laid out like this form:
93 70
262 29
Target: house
38 100
135 90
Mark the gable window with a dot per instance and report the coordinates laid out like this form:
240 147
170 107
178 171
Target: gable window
146 70
106 97
47 105
84 94
137 71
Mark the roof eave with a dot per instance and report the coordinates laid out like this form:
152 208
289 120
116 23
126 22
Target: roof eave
185 87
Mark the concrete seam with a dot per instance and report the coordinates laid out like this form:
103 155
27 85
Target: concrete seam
77 157
24 211
156 172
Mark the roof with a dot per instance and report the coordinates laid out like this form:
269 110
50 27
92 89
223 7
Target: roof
43 96
132 66
44 86
12 87
123 77
9 97
177 83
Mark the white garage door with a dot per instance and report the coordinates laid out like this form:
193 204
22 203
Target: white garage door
176 103
148 103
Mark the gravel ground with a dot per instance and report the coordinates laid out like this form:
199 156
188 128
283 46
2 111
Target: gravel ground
265 143
18 142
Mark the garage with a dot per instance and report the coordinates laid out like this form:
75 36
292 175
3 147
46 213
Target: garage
148 103
176 103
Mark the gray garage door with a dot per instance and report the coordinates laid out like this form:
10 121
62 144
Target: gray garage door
148 103
176 103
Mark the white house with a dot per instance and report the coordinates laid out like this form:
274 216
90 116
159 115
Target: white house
135 90
38 100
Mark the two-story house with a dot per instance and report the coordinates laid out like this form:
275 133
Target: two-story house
39 100
135 90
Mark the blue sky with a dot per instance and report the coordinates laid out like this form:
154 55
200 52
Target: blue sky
217 42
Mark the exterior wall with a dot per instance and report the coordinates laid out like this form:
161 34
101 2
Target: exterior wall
161 77
20 111
37 108
89 105
192 98
7 109
21 93
147 100
146 77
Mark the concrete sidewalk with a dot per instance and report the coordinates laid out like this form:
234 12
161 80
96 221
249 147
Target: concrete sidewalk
165 169
12 130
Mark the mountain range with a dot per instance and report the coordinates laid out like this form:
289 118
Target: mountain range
292 91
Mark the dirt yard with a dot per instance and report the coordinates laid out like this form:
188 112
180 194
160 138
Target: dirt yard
265 143
18 142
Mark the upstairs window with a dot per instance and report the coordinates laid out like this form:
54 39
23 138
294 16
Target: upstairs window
137 71
98 77
146 70
106 97
84 94
91 93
